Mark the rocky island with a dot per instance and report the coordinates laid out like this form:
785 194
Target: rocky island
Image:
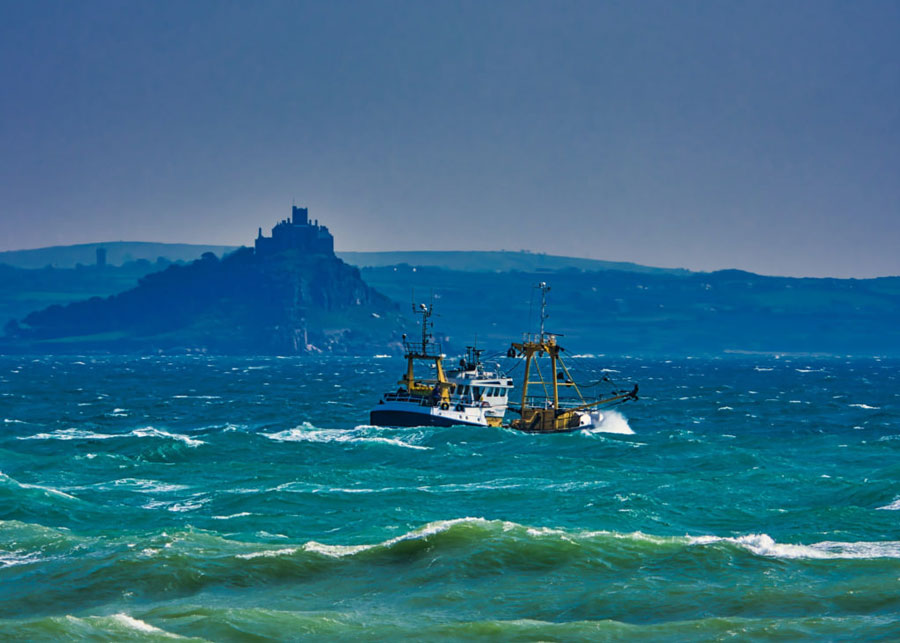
289 294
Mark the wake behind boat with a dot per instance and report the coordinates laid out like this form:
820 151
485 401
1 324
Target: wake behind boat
469 395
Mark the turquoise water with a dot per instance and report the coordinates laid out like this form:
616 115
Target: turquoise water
247 499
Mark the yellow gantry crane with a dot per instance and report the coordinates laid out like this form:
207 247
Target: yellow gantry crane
550 416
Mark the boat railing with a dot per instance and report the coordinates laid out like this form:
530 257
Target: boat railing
432 349
541 402
428 400
406 396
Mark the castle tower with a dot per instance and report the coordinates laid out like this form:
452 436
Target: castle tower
299 216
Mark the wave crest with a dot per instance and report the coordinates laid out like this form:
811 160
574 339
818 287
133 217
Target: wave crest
306 432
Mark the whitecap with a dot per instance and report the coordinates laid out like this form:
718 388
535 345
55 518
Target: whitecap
79 434
18 557
70 434
197 397
307 433
894 506
24 485
339 551
612 422
148 486
335 551
765 545
269 552
866 406
181 507
151 432
136 624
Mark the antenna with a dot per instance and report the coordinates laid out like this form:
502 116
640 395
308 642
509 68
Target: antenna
544 314
427 324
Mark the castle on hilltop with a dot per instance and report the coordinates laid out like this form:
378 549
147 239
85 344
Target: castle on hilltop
296 233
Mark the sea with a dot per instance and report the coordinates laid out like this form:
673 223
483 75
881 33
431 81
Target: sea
149 498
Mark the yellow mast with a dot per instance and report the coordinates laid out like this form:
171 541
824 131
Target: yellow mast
421 351
550 418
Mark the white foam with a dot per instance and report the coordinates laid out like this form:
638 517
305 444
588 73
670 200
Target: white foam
70 434
269 553
140 626
19 557
238 515
151 432
894 506
765 545
466 487
23 485
339 551
612 422
149 486
191 505
145 432
335 551
307 433
866 406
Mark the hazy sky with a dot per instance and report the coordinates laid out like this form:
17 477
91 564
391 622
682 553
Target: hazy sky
754 135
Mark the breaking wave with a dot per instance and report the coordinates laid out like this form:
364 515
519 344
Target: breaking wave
613 422
306 432
143 432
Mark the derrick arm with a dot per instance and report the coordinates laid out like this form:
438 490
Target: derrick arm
630 395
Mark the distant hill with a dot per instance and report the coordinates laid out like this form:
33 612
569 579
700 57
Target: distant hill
118 253
289 294
24 290
621 312
283 303
494 261
243 303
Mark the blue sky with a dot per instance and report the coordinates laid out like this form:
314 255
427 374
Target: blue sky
756 135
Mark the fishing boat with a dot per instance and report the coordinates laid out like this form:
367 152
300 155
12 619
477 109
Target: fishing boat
468 395
549 411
